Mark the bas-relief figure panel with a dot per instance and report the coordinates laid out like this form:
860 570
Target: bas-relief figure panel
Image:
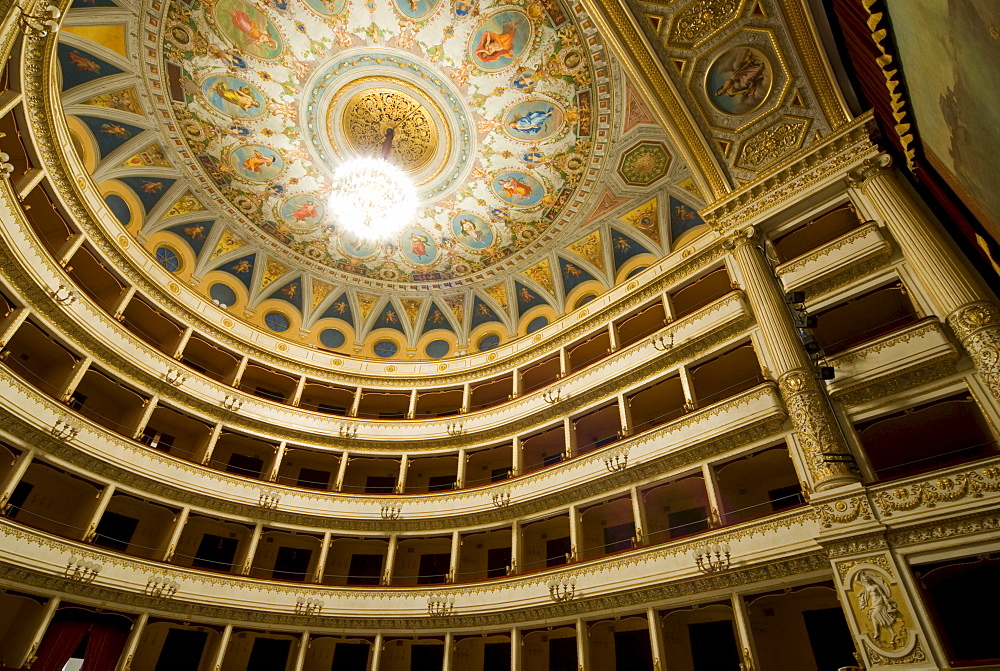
948 50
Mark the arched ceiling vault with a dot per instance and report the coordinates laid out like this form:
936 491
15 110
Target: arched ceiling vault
205 134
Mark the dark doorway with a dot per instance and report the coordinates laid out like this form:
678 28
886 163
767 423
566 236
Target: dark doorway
182 650
633 651
426 657
497 562
496 656
380 484
951 590
433 568
441 483
215 553
269 654
115 531
562 654
17 499
831 641
240 464
556 551
312 478
686 522
713 646
291 564
365 570
350 657
618 537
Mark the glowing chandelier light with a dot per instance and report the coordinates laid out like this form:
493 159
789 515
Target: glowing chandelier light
372 198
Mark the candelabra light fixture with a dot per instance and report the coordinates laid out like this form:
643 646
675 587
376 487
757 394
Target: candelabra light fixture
161 586
616 459
6 167
711 558
269 499
551 396
307 606
82 570
391 511
661 342
44 20
562 590
372 198
501 498
440 606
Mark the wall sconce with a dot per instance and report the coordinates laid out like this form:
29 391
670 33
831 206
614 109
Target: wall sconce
440 606
662 343
455 428
161 586
501 498
616 459
82 569
562 590
347 431
391 511
63 296
40 24
551 396
232 403
268 500
6 167
63 430
712 558
304 606
174 377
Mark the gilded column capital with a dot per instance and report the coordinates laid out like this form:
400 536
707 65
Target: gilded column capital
870 167
824 449
977 326
740 237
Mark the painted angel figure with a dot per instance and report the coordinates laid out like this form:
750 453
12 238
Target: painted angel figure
533 122
242 97
746 78
255 36
257 162
876 599
470 230
494 46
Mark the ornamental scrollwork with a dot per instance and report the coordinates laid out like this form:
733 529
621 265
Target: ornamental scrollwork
772 143
702 18
978 328
844 511
946 489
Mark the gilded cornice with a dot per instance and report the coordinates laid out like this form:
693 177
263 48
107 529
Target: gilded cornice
657 467
646 71
828 159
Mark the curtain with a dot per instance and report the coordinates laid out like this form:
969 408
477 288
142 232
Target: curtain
108 635
61 640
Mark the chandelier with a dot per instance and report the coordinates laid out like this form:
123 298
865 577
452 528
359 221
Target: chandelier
371 198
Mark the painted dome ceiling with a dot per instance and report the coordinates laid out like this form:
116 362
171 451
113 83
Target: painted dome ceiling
543 179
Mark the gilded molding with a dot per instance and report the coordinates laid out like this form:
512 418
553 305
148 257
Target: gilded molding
829 459
779 139
978 328
945 488
938 530
701 19
910 378
844 511
827 249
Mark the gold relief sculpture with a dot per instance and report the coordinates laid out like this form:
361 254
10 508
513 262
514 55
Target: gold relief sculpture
942 489
978 328
382 119
775 141
700 19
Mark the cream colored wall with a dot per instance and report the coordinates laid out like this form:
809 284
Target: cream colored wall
155 525
408 553
58 502
596 519
535 647
676 641
602 640
338 561
19 620
534 537
241 645
197 526
272 541
154 635
472 558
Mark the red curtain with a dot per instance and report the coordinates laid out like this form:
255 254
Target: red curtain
61 640
108 635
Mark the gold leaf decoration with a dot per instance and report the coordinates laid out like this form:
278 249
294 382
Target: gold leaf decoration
227 243
498 293
320 290
645 218
541 273
272 271
365 304
185 205
590 248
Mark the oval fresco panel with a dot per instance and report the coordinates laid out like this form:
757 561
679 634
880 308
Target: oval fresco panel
256 162
417 246
326 7
302 212
357 246
532 120
248 29
739 80
232 96
518 189
416 9
500 40
472 231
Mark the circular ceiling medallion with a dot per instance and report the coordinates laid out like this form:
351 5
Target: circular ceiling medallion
393 124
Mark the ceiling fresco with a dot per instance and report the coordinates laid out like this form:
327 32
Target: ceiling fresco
544 177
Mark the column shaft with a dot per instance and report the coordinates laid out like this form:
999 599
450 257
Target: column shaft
134 634
251 549
515 649
220 651
102 504
748 652
300 657
324 552
656 642
175 535
390 560
582 646
456 550
376 656
43 625
14 477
